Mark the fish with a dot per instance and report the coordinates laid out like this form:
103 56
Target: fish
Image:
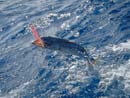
62 45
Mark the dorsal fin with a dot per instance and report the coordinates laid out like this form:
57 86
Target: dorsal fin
38 40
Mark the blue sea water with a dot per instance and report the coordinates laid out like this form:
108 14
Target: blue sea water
100 26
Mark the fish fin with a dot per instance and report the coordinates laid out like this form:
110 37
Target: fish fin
39 43
38 40
96 61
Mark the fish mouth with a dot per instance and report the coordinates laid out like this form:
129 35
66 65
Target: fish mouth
39 43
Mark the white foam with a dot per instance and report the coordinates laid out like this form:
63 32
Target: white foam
65 25
120 47
52 14
125 45
15 93
108 73
64 15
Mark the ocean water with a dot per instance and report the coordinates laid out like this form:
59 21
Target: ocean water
100 26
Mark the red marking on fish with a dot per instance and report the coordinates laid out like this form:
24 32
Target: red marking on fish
38 41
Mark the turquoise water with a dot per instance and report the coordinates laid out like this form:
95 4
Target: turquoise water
100 26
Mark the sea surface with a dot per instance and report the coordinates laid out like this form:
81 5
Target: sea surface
100 26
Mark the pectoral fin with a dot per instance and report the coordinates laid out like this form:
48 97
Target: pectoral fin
39 43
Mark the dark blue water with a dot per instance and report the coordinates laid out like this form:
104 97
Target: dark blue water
100 26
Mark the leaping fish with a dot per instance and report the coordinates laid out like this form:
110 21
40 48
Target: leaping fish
62 45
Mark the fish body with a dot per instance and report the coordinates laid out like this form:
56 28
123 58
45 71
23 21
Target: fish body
62 45
67 47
